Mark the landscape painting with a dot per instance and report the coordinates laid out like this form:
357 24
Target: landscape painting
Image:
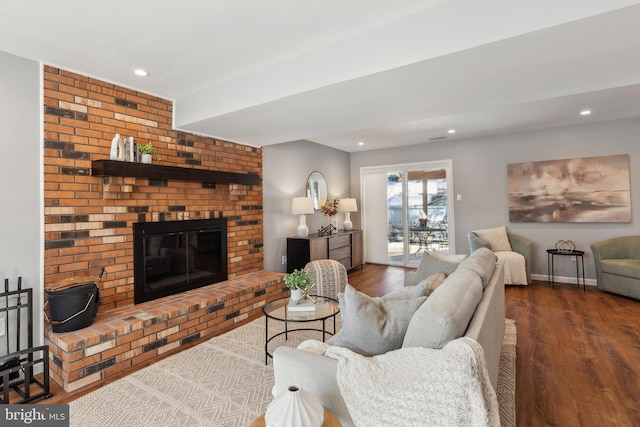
588 189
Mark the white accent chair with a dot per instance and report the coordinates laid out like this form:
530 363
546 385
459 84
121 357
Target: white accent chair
329 276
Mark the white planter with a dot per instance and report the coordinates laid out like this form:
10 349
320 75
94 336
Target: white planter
295 407
296 294
146 158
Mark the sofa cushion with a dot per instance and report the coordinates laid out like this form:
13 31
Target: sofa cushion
497 238
482 262
621 267
372 326
446 313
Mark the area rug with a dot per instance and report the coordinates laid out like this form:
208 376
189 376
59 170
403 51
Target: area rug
221 382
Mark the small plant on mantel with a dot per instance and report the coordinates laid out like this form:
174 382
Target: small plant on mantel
146 148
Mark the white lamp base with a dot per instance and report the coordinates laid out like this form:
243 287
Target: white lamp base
302 230
348 225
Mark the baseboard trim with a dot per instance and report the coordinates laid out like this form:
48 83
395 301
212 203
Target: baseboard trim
571 280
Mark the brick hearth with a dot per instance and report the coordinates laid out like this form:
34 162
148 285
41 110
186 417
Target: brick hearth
123 338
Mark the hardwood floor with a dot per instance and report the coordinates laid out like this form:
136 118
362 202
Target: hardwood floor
577 352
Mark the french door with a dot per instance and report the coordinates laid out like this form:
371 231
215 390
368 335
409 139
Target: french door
407 209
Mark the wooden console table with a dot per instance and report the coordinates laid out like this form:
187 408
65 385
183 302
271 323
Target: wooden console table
345 247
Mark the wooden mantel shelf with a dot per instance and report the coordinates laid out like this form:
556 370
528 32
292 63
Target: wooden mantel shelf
160 172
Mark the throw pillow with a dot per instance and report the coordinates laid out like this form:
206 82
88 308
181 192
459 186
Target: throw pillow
408 292
497 238
432 264
372 326
452 258
432 282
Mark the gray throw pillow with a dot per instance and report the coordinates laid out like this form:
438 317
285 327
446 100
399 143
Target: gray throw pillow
432 264
372 326
433 282
408 292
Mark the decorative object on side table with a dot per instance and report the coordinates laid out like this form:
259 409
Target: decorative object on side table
331 209
347 206
300 284
565 246
295 407
146 151
326 230
302 206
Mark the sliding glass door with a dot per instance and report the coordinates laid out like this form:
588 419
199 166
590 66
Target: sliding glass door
417 211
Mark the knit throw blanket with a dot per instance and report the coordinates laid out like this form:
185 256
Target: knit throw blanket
418 386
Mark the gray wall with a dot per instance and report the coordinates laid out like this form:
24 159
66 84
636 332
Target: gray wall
480 176
285 171
21 217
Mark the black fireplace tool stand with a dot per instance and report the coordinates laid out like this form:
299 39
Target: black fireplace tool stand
18 357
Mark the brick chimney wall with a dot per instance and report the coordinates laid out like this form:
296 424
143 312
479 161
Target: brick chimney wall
89 220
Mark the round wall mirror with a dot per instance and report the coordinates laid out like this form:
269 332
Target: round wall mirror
317 189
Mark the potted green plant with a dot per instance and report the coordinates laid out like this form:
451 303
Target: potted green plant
146 151
299 283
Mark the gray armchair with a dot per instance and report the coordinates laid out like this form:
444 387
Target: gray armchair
617 262
518 244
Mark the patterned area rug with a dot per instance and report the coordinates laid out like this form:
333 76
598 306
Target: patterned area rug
222 382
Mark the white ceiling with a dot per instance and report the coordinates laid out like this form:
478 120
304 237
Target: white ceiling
337 72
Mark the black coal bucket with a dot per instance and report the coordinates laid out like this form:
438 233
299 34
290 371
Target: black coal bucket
73 308
73 302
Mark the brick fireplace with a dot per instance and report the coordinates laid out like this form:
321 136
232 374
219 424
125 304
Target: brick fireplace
89 219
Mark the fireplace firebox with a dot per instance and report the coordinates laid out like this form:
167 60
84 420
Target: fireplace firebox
174 256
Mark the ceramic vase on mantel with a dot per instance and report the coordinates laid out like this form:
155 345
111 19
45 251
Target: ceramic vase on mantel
146 158
295 407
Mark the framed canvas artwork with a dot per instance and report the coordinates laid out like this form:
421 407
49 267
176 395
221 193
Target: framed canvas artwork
588 189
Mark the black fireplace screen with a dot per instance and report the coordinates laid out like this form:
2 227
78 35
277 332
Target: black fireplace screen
175 256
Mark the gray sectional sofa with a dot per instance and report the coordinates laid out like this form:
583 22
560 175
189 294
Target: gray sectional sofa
470 302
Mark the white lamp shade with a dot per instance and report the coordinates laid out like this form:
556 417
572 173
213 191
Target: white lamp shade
347 205
301 206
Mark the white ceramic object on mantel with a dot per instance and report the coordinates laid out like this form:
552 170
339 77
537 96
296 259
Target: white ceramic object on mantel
295 407
117 148
146 158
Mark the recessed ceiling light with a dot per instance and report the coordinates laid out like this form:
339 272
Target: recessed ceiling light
452 131
360 143
585 112
140 72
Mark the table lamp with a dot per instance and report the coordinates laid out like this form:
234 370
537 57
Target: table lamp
347 206
302 206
